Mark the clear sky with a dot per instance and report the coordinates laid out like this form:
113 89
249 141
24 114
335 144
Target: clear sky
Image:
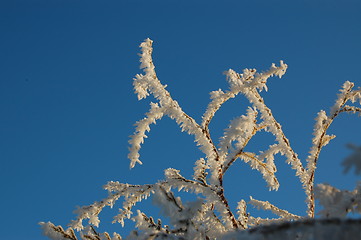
67 105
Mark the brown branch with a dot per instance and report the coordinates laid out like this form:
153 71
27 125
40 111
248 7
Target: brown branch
279 128
264 165
225 99
310 183
350 109
255 130
59 229
170 197
223 199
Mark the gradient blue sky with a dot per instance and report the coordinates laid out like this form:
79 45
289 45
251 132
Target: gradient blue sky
67 105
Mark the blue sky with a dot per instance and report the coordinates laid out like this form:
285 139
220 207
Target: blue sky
67 105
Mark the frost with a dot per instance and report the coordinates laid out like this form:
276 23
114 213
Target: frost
211 216
268 206
338 203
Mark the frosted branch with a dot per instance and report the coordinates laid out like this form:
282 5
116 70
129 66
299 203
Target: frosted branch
323 122
242 214
249 79
142 126
266 170
240 130
210 216
200 169
265 205
275 128
150 84
57 232
338 203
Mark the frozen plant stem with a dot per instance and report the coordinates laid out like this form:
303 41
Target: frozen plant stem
210 217
321 139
